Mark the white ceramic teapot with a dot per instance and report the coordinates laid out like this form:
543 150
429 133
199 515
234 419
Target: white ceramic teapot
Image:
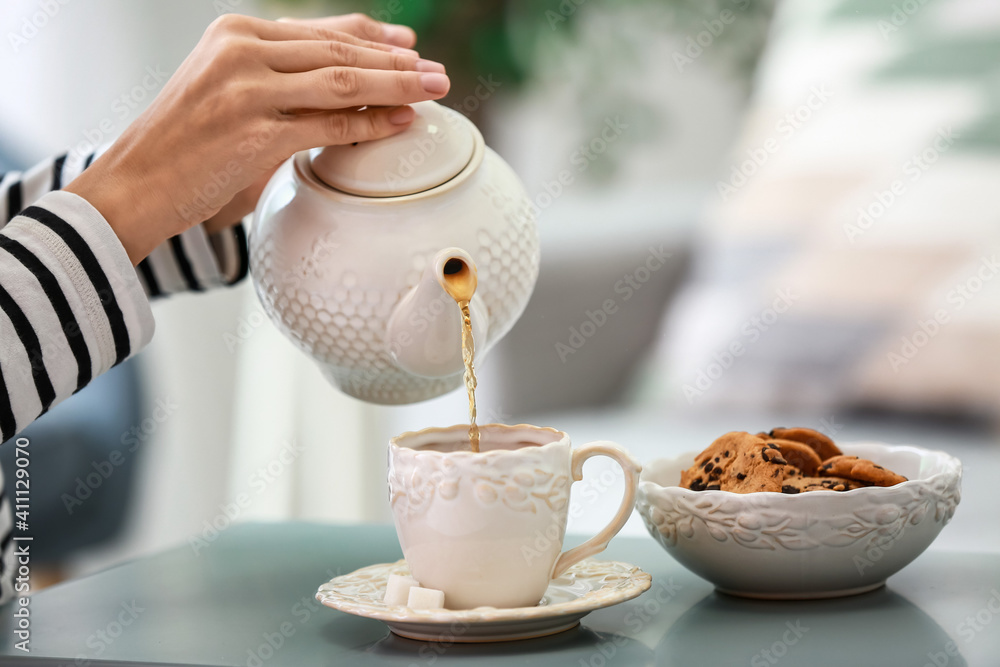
350 246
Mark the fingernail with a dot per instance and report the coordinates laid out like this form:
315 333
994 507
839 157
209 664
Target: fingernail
429 66
406 52
435 83
402 115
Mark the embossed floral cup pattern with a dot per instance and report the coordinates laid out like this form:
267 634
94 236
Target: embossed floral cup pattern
811 545
487 528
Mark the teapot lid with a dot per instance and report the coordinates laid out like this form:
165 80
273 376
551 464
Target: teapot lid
437 145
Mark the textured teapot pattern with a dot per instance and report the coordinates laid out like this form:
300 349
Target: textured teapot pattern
344 329
336 272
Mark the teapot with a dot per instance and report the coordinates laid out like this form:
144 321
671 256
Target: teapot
351 248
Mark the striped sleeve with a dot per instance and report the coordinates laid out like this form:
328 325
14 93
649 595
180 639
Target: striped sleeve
195 261
8 566
71 307
191 261
71 303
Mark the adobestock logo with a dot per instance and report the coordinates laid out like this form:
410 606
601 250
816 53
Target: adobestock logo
750 332
911 172
582 157
627 286
697 44
900 16
787 126
32 24
778 650
958 297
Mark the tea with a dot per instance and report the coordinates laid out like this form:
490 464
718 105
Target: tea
460 281
468 356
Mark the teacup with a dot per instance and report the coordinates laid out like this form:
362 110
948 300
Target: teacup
487 528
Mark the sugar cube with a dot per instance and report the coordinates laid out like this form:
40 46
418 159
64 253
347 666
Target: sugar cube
397 589
425 598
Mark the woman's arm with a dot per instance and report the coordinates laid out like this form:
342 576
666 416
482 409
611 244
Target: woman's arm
197 259
71 306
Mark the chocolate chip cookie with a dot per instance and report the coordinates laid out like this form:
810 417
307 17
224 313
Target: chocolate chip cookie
802 484
789 460
708 467
758 466
799 455
741 463
863 470
821 444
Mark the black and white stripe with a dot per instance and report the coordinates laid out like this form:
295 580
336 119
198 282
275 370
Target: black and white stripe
71 304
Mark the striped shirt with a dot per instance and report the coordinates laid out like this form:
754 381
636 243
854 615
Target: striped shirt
71 303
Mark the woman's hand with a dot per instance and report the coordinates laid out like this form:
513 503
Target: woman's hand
250 94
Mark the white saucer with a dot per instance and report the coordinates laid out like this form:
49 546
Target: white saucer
588 585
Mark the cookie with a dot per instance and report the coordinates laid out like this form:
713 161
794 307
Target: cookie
803 484
799 455
851 467
710 464
822 445
757 466
738 462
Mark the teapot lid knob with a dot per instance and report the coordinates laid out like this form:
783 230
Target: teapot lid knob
437 145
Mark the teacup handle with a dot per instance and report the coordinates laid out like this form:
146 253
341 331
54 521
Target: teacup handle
599 542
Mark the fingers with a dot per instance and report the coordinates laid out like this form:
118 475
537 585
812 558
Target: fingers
316 29
306 55
333 88
346 127
368 28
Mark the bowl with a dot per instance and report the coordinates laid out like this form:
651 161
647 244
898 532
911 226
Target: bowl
818 544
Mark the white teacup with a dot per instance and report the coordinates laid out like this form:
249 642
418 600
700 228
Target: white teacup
487 528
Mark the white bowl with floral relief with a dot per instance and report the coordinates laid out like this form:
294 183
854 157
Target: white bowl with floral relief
810 545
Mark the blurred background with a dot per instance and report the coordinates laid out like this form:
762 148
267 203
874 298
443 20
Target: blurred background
821 175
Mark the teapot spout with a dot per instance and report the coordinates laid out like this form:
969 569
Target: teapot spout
425 329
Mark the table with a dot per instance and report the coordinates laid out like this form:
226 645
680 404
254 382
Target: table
253 587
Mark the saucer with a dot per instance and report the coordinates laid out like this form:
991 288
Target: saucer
586 586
